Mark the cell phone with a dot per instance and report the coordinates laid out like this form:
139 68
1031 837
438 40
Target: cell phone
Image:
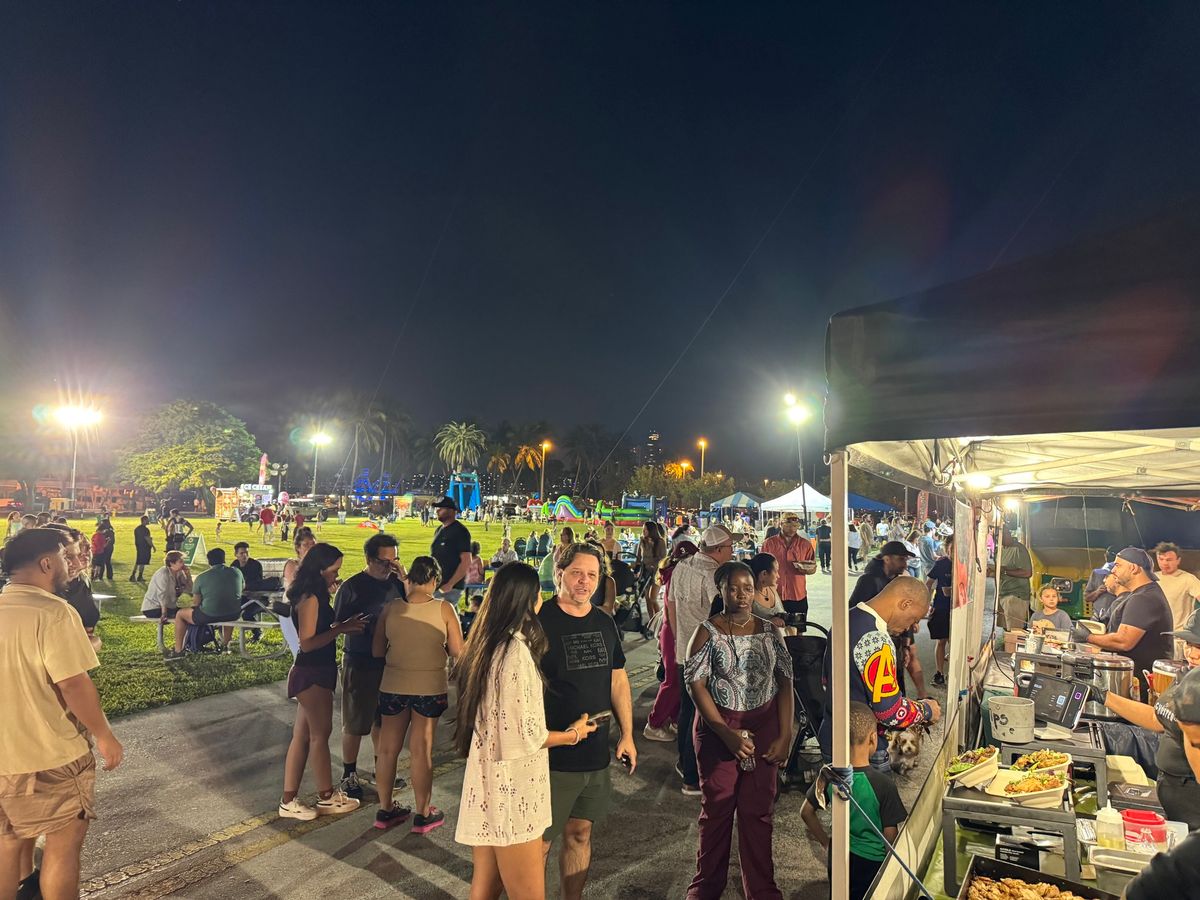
600 717
625 761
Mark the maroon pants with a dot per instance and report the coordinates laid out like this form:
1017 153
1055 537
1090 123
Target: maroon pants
726 791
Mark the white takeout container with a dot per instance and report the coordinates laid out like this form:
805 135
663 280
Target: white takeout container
1050 798
978 775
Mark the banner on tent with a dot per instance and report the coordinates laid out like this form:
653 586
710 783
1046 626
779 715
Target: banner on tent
922 506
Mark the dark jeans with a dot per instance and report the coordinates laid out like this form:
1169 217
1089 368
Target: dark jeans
684 739
1180 799
825 553
103 564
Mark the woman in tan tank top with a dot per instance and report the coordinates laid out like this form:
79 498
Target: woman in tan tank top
416 636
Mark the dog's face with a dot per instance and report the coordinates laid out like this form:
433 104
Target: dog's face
906 742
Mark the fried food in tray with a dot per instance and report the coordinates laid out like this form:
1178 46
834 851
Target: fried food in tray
1041 759
1034 782
982 888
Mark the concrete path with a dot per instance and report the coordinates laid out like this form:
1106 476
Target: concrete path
191 813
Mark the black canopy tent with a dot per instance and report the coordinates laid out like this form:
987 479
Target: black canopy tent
1074 372
1102 334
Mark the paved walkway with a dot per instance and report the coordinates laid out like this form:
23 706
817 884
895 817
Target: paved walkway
191 814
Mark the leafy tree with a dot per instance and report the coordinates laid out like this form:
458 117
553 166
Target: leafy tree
187 445
460 443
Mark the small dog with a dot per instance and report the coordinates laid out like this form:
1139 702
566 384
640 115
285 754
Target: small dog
904 748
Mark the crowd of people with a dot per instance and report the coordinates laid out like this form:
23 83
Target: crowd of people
544 704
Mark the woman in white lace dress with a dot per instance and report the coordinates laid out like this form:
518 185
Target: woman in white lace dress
501 729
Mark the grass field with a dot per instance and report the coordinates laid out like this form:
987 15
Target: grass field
132 674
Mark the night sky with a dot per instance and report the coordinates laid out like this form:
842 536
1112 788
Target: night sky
238 201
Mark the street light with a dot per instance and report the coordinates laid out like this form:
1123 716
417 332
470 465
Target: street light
542 489
703 445
684 465
798 414
318 440
73 418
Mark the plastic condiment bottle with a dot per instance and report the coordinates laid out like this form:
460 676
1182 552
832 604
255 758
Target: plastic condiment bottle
1110 829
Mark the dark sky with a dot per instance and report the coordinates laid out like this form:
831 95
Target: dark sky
237 201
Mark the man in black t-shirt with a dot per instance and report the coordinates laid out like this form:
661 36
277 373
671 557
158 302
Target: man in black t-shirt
584 667
1138 628
251 569
825 546
451 547
364 594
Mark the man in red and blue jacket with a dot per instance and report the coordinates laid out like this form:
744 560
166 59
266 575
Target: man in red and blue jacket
873 676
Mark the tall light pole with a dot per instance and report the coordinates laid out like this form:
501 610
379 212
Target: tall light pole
703 445
798 414
73 418
318 440
542 489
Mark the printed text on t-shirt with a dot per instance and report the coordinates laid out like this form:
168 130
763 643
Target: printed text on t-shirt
585 651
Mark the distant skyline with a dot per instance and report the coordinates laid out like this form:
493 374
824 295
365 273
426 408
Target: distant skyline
488 214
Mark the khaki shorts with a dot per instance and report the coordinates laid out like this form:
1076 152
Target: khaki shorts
1014 612
577 795
39 803
360 695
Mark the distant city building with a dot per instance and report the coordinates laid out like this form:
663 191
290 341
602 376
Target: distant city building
652 453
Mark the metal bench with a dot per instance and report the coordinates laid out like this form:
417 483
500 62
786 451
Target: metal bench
239 625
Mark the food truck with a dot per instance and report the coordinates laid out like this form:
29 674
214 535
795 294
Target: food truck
1068 375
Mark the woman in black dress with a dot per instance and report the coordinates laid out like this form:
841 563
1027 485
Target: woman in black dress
143 543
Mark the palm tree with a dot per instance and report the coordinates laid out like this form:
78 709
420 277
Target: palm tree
526 443
460 443
498 459
585 446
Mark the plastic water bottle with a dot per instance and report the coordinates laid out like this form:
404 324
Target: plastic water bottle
747 764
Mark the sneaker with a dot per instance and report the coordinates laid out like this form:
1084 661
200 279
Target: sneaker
425 824
691 790
351 787
663 735
337 804
386 818
939 679
296 810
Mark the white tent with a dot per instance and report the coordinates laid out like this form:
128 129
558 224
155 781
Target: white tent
795 501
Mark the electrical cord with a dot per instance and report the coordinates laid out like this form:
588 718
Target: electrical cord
841 780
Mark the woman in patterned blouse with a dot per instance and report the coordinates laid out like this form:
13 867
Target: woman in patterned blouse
740 675
501 730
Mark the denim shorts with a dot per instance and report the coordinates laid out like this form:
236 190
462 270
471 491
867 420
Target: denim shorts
431 706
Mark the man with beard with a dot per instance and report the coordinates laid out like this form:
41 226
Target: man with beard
47 711
1138 628
584 668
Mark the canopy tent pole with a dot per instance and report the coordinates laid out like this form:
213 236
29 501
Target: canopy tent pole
839 688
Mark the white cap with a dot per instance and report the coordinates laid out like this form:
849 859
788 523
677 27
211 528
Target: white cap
715 535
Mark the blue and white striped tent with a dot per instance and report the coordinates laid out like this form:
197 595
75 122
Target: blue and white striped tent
738 500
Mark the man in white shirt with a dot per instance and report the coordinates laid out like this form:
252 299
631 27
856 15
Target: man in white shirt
689 602
505 554
1181 587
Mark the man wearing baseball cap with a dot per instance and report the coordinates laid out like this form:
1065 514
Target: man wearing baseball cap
1139 628
689 602
451 547
1176 874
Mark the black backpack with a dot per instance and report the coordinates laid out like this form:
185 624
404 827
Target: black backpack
199 638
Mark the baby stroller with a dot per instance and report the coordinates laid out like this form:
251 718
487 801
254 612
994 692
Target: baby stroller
808 659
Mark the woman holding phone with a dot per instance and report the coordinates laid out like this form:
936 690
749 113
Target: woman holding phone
501 730
311 682
740 675
416 636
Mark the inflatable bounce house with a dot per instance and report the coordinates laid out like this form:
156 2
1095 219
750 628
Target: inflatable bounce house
464 488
